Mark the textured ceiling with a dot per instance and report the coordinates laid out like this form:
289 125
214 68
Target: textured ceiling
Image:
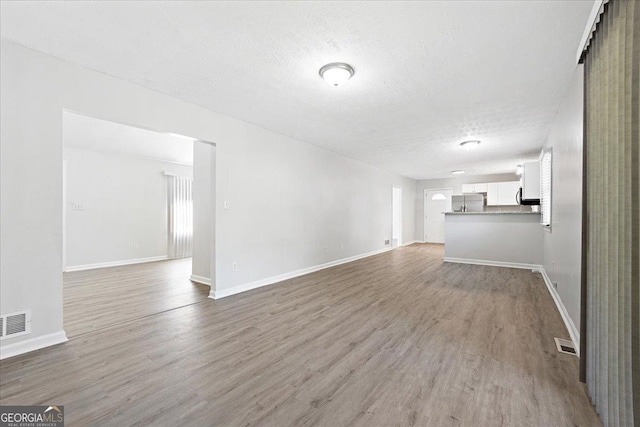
428 74
108 137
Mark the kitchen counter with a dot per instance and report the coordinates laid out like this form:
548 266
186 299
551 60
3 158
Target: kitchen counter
492 213
511 239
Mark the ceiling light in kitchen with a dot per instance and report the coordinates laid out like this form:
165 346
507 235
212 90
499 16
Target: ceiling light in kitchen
336 73
469 145
458 172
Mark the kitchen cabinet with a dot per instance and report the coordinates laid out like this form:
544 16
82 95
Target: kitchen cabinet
468 188
502 193
507 193
481 188
531 181
498 193
492 194
474 188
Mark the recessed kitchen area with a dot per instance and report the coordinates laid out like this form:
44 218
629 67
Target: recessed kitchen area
497 223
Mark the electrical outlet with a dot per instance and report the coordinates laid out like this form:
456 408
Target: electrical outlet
326 250
77 207
226 204
342 246
555 285
136 246
234 266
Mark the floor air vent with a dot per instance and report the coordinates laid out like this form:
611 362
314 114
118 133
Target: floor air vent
565 346
15 324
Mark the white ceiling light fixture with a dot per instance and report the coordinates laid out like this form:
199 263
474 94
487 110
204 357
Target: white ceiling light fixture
470 145
519 170
336 73
457 172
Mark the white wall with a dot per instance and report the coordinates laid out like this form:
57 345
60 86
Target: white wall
288 200
204 164
500 238
456 184
124 201
562 246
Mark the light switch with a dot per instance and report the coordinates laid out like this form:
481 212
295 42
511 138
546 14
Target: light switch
226 204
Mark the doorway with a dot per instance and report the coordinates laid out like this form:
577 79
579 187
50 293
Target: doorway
128 228
396 235
436 203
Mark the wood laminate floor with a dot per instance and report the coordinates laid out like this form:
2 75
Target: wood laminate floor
397 339
95 299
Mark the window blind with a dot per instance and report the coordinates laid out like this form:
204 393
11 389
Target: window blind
180 215
611 256
545 188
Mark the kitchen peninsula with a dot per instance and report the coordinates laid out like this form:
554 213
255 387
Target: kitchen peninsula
509 239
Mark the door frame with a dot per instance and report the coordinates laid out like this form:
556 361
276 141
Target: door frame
212 188
424 208
64 213
401 213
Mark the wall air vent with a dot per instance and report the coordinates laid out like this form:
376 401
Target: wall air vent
15 324
565 346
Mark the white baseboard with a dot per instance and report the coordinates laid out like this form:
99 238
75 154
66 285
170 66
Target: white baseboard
11 350
571 327
115 263
535 267
275 279
201 280
412 242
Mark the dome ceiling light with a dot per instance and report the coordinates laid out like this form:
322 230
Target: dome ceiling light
458 172
469 145
336 73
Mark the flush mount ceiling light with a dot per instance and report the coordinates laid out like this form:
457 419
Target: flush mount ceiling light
336 73
458 172
519 170
469 145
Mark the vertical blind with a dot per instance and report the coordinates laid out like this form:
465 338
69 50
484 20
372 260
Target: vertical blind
180 215
611 255
545 188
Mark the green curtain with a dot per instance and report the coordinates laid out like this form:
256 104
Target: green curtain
611 255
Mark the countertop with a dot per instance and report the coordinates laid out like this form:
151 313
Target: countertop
492 213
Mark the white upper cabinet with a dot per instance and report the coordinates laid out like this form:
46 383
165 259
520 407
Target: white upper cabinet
474 188
531 181
492 194
498 193
468 188
502 193
507 193
481 188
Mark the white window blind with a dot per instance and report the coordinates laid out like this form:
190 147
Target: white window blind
545 188
180 216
